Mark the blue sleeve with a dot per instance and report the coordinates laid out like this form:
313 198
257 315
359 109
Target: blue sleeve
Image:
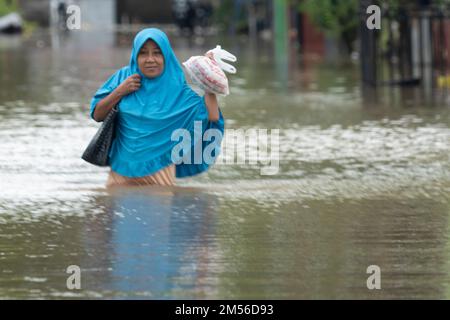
112 83
188 170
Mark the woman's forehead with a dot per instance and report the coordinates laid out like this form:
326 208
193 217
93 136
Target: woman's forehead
150 44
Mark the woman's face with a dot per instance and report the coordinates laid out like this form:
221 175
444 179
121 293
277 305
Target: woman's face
150 60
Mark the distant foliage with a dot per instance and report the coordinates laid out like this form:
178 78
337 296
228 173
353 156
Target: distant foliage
332 16
224 15
340 18
336 18
7 6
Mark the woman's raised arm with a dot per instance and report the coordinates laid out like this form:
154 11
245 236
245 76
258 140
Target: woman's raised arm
211 100
212 106
104 106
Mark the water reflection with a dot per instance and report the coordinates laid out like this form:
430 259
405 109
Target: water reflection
155 243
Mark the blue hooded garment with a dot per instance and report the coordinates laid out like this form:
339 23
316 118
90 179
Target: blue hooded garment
147 117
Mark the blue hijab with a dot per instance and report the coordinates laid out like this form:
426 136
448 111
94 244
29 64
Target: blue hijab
147 117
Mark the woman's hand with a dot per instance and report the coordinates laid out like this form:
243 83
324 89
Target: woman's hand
131 84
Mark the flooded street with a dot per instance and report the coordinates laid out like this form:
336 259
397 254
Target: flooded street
364 179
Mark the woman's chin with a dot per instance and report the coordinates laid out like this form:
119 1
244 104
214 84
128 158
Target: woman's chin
152 74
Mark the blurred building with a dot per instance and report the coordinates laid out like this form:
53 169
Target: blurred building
310 38
45 12
36 10
413 45
143 11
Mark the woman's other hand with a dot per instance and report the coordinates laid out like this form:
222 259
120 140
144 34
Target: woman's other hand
131 84
213 106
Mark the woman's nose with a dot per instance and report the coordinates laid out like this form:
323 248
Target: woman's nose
150 58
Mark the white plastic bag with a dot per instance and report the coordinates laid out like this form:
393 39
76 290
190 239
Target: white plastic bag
219 55
208 73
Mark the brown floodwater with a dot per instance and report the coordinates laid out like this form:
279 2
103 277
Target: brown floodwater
364 179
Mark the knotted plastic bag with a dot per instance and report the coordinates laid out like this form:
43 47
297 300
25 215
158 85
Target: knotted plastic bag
208 74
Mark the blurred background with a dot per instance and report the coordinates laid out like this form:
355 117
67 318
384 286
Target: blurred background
364 120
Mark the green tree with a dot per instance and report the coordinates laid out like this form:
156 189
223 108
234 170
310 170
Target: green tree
336 18
340 18
7 6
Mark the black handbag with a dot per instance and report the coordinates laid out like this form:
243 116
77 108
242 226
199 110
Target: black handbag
98 149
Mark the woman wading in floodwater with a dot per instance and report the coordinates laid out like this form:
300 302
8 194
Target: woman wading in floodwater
154 100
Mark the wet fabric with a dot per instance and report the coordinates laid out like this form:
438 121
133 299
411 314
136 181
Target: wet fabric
164 177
